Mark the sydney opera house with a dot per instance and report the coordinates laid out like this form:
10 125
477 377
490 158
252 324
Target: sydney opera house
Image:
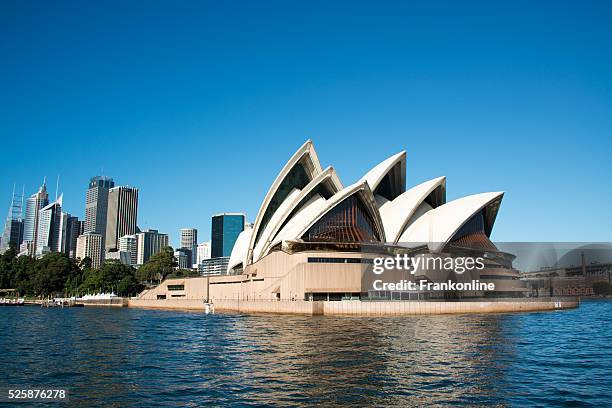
312 234
315 239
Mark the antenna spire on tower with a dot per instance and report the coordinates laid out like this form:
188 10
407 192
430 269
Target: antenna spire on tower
57 187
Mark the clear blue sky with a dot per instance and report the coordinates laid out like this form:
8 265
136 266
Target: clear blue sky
200 104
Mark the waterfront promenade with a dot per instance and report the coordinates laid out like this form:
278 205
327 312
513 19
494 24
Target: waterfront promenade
366 308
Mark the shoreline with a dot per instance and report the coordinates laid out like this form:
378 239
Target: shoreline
351 307
365 308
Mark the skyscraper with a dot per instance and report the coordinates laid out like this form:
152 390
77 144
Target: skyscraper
121 216
148 244
225 230
13 227
203 252
182 256
48 236
128 245
71 228
96 204
189 241
34 204
89 245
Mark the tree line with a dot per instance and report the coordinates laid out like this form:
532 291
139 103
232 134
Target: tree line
56 274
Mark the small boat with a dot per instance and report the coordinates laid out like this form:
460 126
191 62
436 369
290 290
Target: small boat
12 302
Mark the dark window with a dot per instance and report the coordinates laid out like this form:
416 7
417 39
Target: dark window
176 287
161 297
297 177
349 221
393 184
472 234
332 296
498 277
339 260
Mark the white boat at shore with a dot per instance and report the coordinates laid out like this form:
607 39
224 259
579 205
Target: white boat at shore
12 302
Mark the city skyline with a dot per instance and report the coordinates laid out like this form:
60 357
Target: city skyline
82 214
213 116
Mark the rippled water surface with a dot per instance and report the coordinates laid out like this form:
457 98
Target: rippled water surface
132 357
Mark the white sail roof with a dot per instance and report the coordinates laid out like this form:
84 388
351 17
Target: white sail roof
327 182
300 220
397 213
388 178
240 250
297 173
274 220
303 194
361 188
437 226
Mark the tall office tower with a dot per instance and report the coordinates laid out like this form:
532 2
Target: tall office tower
49 228
203 252
70 230
13 227
34 204
225 230
96 204
63 232
149 243
128 245
189 240
121 216
89 245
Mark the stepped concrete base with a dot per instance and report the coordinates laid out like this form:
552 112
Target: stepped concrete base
366 308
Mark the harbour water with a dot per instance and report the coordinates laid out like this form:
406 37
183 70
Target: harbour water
135 357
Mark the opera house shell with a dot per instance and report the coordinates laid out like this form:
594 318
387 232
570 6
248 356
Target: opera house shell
315 239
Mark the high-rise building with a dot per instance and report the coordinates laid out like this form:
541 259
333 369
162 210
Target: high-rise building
34 204
13 227
90 245
13 232
128 244
48 236
148 244
203 252
225 230
71 228
121 216
96 204
27 248
63 232
119 256
189 241
182 256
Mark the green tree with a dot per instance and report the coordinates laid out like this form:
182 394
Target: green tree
158 267
129 286
23 274
182 273
92 281
108 278
86 263
51 273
